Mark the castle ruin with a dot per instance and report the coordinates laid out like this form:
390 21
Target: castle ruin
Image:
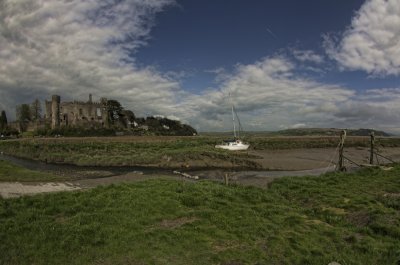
76 113
96 115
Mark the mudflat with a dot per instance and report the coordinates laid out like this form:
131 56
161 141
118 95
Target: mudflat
313 158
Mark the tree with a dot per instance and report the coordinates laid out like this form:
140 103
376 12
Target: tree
36 110
24 113
3 120
114 109
128 117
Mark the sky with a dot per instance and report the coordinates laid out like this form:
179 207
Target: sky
286 64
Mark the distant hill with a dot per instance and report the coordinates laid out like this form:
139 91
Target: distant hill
305 132
329 132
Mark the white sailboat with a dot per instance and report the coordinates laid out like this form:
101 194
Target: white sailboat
234 144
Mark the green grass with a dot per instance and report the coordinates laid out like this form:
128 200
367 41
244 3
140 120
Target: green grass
347 218
11 172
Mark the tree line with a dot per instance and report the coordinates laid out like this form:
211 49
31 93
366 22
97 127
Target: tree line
25 113
29 112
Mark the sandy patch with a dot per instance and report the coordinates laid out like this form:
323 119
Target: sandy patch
16 189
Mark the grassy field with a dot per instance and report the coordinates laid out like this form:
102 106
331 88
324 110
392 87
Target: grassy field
11 172
347 218
169 152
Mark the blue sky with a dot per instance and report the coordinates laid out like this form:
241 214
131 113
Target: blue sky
288 64
199 36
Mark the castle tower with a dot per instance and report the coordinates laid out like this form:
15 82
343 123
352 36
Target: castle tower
55 111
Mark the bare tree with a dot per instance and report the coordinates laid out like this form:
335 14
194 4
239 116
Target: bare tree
36 110
24 113
24 116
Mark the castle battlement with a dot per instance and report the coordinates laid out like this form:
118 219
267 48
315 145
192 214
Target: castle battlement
78 102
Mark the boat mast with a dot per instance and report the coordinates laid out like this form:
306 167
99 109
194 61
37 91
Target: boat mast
233 117
233 120
240 125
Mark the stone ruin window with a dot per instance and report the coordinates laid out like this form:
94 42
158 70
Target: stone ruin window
98 112
80 112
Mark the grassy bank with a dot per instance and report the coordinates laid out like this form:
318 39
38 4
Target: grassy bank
351 219
169 152
11 172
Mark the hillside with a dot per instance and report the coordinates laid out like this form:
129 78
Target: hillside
329 132
304 132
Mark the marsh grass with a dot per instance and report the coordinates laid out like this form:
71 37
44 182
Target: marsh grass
167 152
347 218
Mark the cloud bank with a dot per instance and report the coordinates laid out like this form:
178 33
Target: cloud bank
269 94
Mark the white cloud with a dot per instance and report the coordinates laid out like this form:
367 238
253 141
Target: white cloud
374 108
74 48
267 94
307 56
372 42
298 125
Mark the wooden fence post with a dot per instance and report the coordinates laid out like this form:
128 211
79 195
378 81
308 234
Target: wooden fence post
226 179
341 148
371 154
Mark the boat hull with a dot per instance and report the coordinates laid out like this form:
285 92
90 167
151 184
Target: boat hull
233 147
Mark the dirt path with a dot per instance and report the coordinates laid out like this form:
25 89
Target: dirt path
17 189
